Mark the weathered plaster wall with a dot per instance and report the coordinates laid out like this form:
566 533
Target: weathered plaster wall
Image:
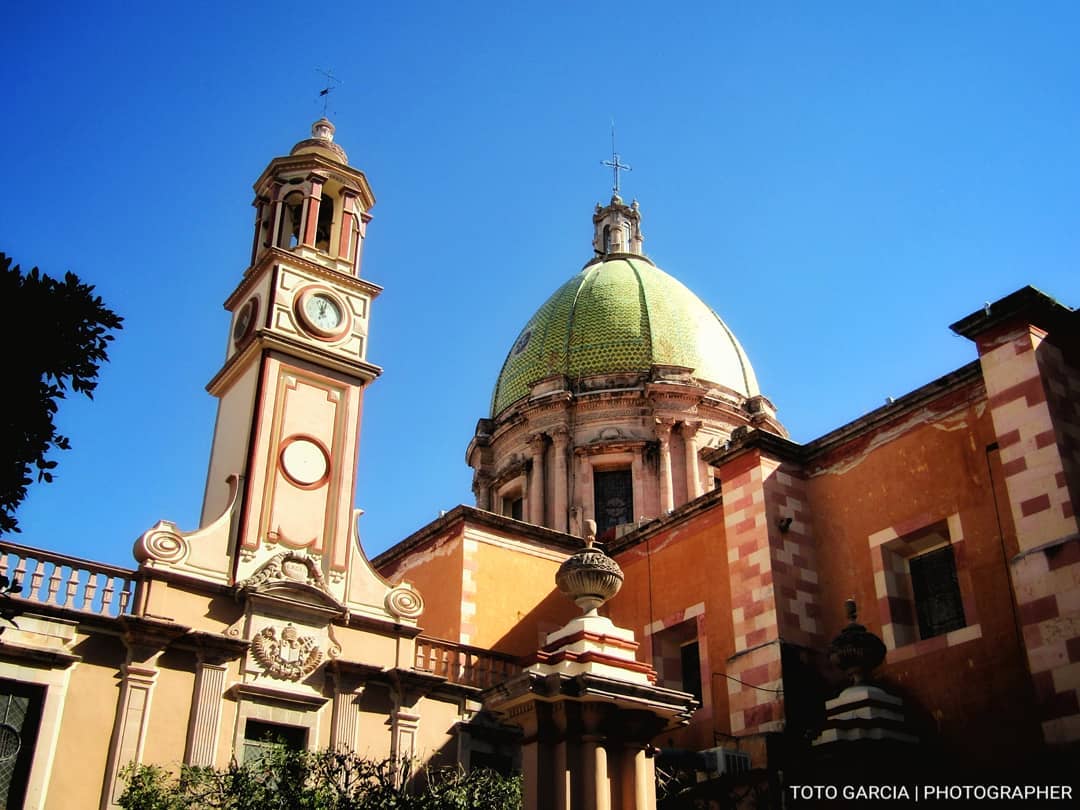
930 469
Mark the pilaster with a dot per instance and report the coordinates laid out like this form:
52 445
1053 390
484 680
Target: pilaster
560 439
146 640
205 721
693 463
667 488
537 445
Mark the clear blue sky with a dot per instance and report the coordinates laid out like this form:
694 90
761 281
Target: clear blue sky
840 181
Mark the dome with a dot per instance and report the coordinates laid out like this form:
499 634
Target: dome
622 314
321 142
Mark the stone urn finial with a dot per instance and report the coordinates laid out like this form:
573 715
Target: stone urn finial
856 650
589 577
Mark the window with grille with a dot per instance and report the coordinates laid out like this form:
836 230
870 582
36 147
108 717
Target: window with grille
936 592
20 713
614 499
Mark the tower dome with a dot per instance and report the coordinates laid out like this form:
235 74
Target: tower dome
622 313
610 393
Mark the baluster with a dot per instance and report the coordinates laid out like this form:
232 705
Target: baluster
3 563
106 595
91 589
35 580
72 587
20 576
53 586
125 597
468 667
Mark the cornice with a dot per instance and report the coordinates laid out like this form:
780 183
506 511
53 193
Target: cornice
459 516
273 255
359 371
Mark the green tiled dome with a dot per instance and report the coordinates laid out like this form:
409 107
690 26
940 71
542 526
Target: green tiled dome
622 314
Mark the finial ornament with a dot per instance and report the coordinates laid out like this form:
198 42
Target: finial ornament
856 650
331 84
615 164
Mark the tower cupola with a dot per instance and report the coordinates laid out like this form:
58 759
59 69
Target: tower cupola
313 204
617 228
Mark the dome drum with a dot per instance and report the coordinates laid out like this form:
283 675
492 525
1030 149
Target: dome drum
609 395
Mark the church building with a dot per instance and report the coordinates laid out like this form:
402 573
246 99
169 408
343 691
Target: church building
628 461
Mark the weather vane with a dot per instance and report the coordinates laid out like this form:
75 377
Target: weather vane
331 84
615 164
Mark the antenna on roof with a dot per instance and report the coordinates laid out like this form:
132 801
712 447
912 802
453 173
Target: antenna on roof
332 83
615 164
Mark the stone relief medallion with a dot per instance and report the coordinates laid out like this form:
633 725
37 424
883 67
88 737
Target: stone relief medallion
288 658
304 462
403 601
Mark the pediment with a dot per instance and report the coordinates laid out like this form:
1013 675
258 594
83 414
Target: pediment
292 577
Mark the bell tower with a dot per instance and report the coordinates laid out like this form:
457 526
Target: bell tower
291 388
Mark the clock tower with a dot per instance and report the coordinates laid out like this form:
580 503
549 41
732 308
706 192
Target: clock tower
291 388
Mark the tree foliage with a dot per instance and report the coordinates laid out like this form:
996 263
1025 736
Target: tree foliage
285 779
55 334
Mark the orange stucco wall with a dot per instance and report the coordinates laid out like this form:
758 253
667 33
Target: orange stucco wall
687 568
81 757
434 570
516 599
927 473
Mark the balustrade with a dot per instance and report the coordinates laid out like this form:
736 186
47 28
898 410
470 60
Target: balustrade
46 578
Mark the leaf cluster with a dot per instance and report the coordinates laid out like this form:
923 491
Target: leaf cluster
57 333
285 779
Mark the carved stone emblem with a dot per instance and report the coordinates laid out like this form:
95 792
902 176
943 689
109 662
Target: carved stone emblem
289 566
290 657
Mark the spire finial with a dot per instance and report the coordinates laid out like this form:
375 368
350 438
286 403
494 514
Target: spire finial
615 164
331 84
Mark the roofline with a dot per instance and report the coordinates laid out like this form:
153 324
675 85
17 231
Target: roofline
461 514
803 453
1028 304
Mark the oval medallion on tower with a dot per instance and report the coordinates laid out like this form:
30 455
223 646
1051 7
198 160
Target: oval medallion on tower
304 462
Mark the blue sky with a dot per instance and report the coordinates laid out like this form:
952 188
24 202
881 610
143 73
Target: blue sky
840 181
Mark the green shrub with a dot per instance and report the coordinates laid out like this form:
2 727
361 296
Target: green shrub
285 779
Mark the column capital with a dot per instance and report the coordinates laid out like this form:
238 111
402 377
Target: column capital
690 429
536 443
560 436
663 428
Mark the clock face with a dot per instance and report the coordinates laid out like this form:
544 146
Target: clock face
323 312
245 319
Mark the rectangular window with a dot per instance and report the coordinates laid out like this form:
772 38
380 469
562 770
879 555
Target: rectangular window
20 714
690 655
512 507
936 592
614 499
260 737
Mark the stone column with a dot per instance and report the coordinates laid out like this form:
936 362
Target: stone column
644 769
667 494
482 490
311 209
348 200
584 489
561 439
205 722
693 463
537 444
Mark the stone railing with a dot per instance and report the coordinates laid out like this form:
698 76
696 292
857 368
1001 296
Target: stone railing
47 578
464 665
